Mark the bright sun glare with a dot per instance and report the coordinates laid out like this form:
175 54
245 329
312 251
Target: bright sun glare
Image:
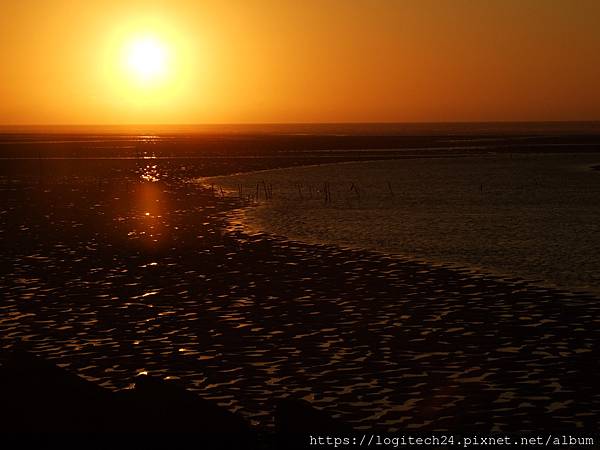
147 59
148 66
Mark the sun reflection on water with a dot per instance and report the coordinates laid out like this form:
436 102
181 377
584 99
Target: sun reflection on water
150 172
151 205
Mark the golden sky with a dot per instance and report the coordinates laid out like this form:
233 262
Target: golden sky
250 61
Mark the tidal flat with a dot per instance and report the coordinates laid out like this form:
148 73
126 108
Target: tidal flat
137 268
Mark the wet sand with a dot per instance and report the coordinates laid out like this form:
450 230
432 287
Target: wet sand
532 216
111 277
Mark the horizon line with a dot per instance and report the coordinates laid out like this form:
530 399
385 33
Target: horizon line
410 122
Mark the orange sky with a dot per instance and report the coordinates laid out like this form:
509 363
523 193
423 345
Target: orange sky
302 61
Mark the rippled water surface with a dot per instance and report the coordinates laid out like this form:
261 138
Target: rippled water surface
139 270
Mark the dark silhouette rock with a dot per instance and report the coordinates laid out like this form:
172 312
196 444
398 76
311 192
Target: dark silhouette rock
297 421
299 416
165 406
38 396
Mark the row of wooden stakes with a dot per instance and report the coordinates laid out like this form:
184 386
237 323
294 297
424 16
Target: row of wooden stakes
309 191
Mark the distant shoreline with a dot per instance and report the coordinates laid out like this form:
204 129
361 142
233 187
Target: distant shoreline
314 144
326 128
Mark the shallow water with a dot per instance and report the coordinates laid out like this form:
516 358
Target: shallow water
112 276
535 216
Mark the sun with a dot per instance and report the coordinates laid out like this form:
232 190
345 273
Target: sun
147 59
149 66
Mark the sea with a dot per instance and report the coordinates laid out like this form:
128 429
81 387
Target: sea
117 263
510 198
